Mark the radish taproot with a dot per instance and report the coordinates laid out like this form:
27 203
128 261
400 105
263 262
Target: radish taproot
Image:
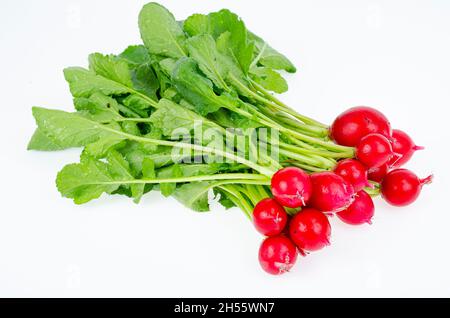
360 211
355 123
403 147
269 217
374 150
402 187
354 172
331 193
277 255
377 174
310 230
291 187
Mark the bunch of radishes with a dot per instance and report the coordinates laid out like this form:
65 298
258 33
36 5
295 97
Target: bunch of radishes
295 219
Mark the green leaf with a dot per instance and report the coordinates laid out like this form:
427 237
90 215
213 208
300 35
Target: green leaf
148 172
171 117
98 107
269 79
197 24
40 141
168 189
194 195
238 46
224 199
145 81
229 119
85 181
202 48
83 83
195 88
72 129
161 34
136 55
269 56
111 67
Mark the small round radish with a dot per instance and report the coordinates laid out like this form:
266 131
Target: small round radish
377 174
374 150
354 172
269 217
357 122
331 193
403 147
360 211
402 187
291 187
310 230
277 254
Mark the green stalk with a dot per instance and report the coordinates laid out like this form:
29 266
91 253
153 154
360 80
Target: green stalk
240 178
283 107
263 170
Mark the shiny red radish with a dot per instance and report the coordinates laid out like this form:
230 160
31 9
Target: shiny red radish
357 122
374 150
377 174
354 172
403 147
291 187
269 217
277 254
360 211
402 187
310 230
331 193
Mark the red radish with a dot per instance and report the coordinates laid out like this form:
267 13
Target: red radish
354 172
402 187
331 193
277 254
403 147
360 211
269 217
355 123
291 187
310 230
377 174
374 150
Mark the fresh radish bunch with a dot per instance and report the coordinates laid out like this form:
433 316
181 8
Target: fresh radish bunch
355 123
354 172
402 187
310 230
360 211
377 150
291 187
277 255
374 150
403 147
331 193
269 217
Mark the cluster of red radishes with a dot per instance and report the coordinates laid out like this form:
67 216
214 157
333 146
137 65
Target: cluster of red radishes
379 152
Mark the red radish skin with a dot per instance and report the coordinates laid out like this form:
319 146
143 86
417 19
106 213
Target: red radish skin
269 217
277 255
310 230
402 187
403 147
291 187
377 174
331 193
374 150
360 211
355 123
354 172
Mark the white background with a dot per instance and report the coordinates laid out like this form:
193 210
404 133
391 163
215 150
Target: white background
393 55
